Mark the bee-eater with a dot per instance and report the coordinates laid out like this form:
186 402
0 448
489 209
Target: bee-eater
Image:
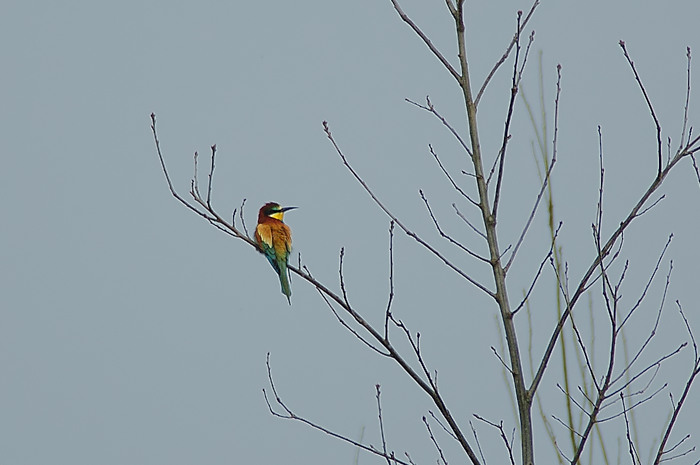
274 239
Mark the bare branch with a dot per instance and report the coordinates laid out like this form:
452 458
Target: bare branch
626 409
545 181
195 178
646 98
687 101
211 175
435 443
611 299
429 107
426 40
565 425
571 398
347 326
604 252
505 55
654 366
648 284
691 379
167 176
446 236
632 449
498 356
454 184
430 388
342 279
387 313
474 228
289 415
399 223
509 116
656 202
584 350
539 271
652 333
476 439
243 218
678 444
515 86
499 427
415 345
695 166
530 40
437 420
381 426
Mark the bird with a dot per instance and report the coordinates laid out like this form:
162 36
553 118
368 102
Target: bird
274 239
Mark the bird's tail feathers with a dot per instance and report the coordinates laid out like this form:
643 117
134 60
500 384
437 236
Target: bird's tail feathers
284 282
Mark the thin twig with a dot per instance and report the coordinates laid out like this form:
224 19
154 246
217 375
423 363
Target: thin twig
428 387
652 333
687 100
195 177
445 235
539 271
342 279
571 398
630 408
167 176
476 439
381 426
211 175
429 107
426 40
509 116
631 447
245 229
499 427
646 98
695 166
505 55
655 203
415 345
289 415
474 228
567 426
387 312
648 285
454 184
498 356
347 326
437 420
435 443
605 251
691 378
399 223
547 176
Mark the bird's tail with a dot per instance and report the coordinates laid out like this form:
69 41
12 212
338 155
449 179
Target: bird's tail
284 282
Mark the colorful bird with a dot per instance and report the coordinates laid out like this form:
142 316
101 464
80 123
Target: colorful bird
274 239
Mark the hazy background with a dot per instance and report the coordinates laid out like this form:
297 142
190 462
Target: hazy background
132 332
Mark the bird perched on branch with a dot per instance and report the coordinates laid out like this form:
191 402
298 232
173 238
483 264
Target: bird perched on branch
274 239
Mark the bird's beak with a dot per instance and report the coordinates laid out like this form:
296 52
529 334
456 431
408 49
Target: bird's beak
288 208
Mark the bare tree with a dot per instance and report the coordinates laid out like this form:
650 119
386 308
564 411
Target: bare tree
606 392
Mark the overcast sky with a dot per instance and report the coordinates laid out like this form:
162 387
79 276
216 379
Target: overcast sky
132 332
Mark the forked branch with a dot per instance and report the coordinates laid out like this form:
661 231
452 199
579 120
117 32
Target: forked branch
288 414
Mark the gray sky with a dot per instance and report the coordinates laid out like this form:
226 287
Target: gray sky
131 332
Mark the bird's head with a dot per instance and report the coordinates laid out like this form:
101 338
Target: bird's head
273 210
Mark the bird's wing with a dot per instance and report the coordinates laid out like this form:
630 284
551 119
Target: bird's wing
263 233
263 236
